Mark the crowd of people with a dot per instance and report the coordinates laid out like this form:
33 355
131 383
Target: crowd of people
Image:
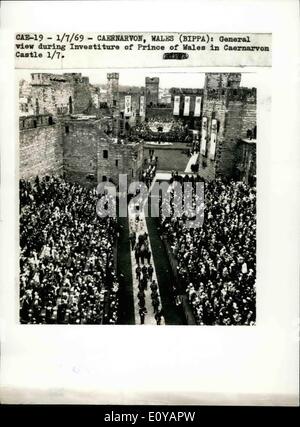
176 131
216 262
67 269
67 262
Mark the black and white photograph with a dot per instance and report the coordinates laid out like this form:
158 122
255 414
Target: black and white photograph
161 135
149 206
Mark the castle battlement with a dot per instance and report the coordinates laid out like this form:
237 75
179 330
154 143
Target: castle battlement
185 91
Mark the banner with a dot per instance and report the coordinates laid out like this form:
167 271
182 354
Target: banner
214 126
213 139
142 105
127 105
176 105
186 111
203 136
197 110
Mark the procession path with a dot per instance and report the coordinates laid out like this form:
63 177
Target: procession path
140 227
163 277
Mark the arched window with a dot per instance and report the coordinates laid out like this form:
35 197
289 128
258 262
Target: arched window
50 120
67 129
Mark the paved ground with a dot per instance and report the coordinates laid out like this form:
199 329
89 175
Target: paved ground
171 158
165 278
140 227
125 275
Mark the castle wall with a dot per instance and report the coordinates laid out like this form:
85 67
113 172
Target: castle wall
90 156
80 152
152 91
248 118
82 97
60 94
121 159
40 150
240 117
222 80
235 112
53 97
134 116
246 166
213 107
112 89
227 153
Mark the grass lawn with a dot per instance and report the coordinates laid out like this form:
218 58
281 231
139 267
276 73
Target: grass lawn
170 158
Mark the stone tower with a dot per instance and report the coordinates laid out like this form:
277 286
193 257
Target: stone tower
113 100
112 89
40 86
222 81
152 88
228 113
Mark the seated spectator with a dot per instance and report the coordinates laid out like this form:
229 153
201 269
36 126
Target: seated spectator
67 270
216 262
